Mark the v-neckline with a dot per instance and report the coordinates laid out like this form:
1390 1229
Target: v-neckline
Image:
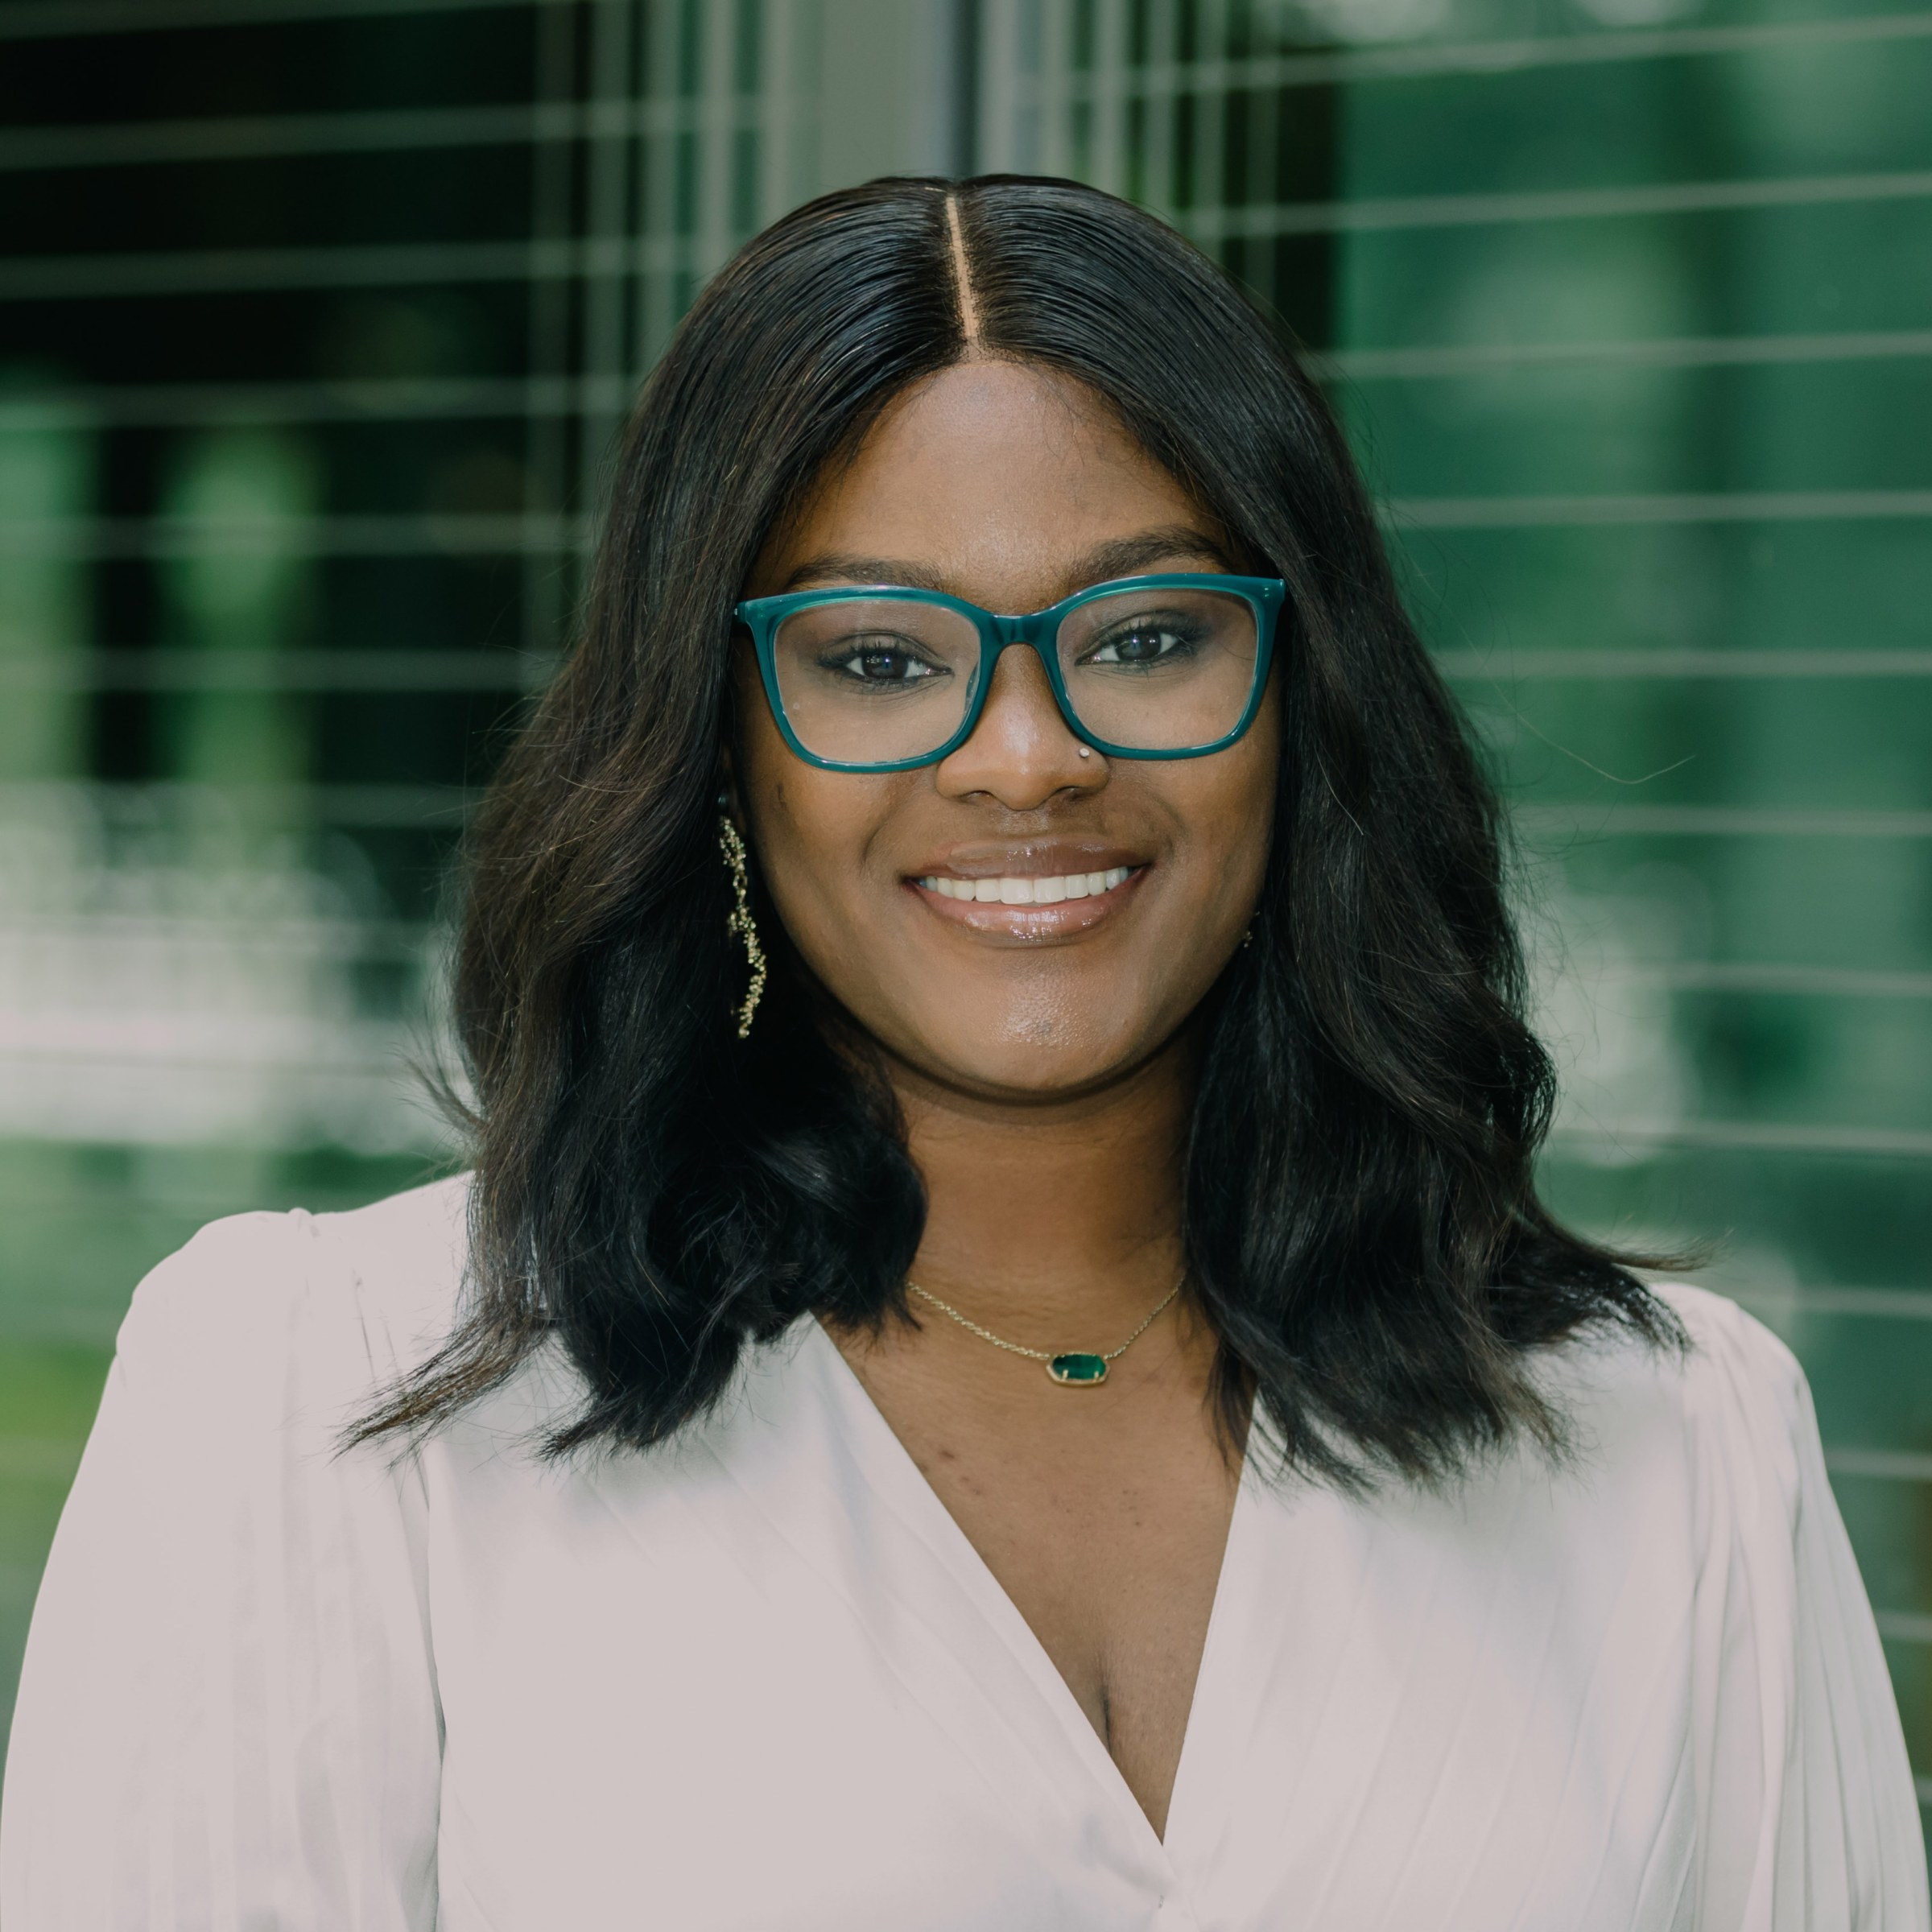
975 1576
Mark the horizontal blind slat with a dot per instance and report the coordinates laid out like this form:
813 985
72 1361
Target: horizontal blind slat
70 19
147 144
1551 204
1424 361
1713 506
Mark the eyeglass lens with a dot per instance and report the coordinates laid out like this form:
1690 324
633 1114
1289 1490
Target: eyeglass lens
877 681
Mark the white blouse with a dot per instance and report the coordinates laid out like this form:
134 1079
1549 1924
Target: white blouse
761 1679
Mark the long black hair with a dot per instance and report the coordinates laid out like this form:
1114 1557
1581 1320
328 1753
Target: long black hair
1362 1226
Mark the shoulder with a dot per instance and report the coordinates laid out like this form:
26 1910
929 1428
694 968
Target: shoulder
1728 1342
1727 1420
1736 1382
298 1311
1731 1371
229 1708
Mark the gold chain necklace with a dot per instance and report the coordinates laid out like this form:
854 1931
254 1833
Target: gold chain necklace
1072 1370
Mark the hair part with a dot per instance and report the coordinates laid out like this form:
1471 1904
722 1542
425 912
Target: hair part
649 1195
962 278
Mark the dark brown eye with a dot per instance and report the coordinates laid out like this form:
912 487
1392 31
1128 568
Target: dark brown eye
1141 641
878 661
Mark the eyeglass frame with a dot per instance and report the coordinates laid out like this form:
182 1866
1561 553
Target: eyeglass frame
1039 629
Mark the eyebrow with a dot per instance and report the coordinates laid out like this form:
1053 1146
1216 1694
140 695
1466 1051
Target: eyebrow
1121 557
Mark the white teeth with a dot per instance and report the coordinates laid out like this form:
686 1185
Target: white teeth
1009 891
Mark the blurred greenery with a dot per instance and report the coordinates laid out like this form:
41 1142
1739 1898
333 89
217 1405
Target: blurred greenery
48 1391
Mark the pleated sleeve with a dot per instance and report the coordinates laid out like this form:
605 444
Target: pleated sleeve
1809 1813
228 1715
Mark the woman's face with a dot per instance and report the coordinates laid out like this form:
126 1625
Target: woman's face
1011 487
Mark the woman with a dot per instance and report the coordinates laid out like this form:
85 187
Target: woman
1008 1369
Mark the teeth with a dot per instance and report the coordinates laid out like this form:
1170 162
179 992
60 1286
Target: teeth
1028 891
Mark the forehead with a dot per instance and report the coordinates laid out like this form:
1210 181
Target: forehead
995 477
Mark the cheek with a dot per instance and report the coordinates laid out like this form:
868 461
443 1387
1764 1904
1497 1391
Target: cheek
1254 786
813 831
807 836
1225 806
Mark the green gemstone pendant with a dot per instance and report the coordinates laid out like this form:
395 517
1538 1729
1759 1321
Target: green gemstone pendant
1078 1371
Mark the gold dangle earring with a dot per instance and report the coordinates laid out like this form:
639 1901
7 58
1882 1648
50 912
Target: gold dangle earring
740 923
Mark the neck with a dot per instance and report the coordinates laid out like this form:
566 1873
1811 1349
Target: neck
1055 1223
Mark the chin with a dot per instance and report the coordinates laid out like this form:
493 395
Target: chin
1021 1057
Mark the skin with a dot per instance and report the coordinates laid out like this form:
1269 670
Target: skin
1043 1057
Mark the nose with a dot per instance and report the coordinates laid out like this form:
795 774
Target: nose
1021 752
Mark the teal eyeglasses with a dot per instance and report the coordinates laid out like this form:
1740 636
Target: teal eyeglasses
879 678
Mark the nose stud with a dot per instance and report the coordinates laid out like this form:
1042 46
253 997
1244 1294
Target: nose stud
1086 751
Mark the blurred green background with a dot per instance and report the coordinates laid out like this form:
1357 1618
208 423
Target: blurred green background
319 315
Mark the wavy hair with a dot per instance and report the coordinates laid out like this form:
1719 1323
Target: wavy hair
1361 1222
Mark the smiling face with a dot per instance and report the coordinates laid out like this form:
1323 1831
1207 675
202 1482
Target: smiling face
1018 921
